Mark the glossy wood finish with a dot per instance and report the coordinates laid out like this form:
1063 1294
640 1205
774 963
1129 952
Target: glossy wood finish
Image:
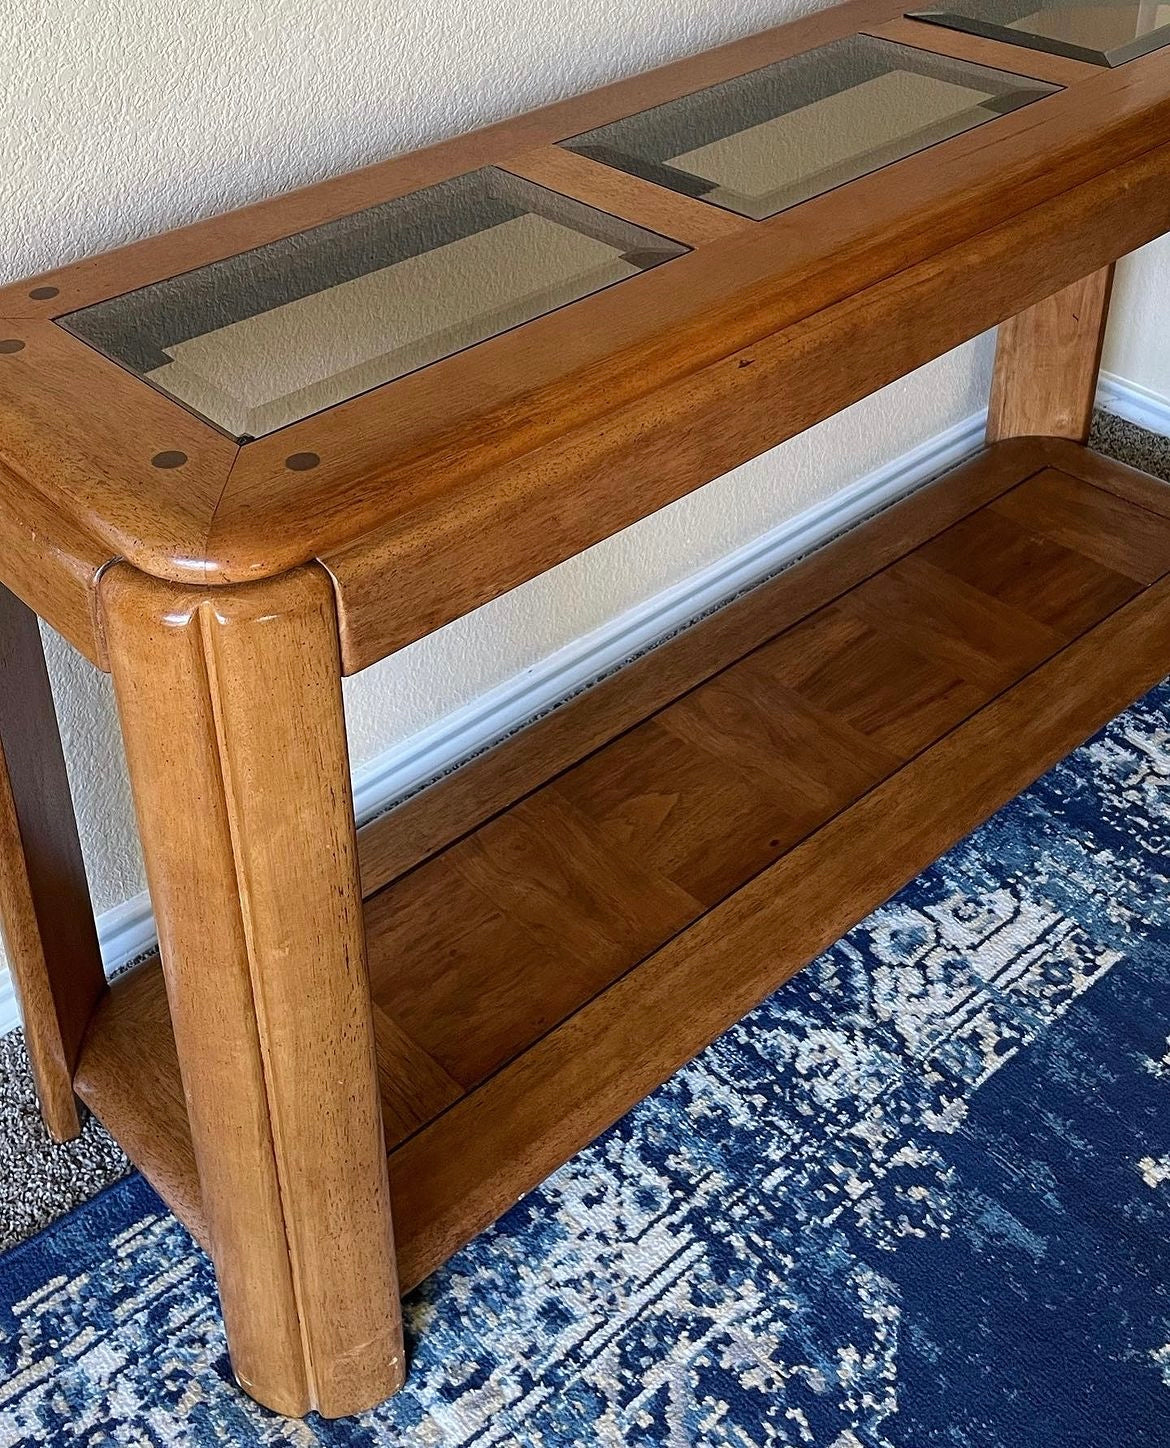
96 467
83 433
403 837
552 931
1056 69
231 710
471 544
537 976
51 565
129 1074
521 420
681 217
1127 482
448 1182
1046 363
511 425
49 936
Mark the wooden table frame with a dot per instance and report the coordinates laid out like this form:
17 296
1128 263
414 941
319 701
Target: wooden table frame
229 596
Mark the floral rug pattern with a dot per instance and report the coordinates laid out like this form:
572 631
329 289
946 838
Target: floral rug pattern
920 1198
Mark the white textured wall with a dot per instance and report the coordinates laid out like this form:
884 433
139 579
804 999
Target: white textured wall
1137 346
127 118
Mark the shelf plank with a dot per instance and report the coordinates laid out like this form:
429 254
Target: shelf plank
1062 589
475 1161
1092 523
539 975
128 1075
407 835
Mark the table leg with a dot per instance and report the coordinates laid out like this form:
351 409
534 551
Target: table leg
230 702
49 933
1046 363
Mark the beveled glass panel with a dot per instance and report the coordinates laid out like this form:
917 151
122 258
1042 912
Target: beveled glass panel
792 130
1106 33
265 338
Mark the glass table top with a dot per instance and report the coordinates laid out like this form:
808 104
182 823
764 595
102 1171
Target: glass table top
263 339
768 140
1107 33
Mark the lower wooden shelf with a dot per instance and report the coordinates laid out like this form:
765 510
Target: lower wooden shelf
540 964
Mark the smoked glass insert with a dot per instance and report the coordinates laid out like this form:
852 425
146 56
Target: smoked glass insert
265 338
1106 33
778 136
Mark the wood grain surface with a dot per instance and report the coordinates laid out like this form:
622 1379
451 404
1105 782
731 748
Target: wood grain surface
50 939
502 434
998 54
499 530
553 962
231 711
405 836
1046 363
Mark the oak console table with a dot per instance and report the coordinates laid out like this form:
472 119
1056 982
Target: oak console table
244 459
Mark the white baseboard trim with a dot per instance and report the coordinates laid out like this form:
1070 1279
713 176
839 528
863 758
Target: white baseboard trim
9 1014
127 930
1134 403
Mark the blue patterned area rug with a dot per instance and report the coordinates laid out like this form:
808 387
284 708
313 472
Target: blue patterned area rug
920 1197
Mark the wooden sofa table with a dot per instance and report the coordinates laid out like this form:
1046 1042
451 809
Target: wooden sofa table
244 459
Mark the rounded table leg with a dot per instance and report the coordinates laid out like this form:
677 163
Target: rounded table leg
230 702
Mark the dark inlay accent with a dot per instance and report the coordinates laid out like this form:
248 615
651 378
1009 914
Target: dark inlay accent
302 462
42 294
169 459
11 344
